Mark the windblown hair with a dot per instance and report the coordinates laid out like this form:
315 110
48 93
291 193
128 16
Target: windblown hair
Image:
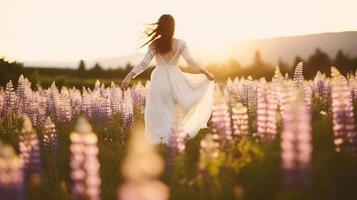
160 37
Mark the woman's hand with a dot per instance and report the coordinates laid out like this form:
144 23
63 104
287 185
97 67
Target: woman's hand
124 84
210 76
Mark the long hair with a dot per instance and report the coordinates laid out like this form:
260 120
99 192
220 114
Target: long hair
160 37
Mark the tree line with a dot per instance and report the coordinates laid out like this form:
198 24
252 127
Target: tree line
318 61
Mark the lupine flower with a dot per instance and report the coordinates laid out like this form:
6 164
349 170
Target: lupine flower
277 75
177 137
50 142
84 162
209 153
10 100
126 107
345 137
320 86
11 174
30 150
239 120
115 95
266 111
87 104
221 119
298 76
24 94
296 140
141 169
52 100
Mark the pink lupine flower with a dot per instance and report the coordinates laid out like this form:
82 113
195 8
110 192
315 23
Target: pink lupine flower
266 111
221 119
239 120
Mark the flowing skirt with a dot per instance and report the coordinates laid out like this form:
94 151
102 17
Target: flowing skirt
169 86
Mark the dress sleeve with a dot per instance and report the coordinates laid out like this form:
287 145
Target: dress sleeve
188 58
144 64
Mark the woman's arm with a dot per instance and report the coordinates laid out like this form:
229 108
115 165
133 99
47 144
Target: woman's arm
139 68
193 63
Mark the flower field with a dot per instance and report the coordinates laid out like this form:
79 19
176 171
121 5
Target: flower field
287 138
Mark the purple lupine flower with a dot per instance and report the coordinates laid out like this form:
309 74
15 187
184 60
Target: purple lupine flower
63 110
52 100
345 137
141 169
87 104
50 142
106 110
84 162
24 94
353 85
298 76
296 140
319 86
75 102
10 100
30 150
221 119
115 95
11 174
126 107
1 101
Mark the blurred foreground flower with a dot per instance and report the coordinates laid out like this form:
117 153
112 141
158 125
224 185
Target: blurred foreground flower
141 169
209 156
11 174
30 151
296 140
84 162
345 137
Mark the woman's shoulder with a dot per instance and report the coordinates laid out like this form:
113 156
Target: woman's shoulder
180 41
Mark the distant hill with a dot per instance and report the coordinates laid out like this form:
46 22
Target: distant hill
271 49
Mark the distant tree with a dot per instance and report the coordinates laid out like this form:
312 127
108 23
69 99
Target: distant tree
258 61
97 67
283 66
319 61
343 62
81 66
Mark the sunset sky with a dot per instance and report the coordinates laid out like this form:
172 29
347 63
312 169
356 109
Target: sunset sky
67 30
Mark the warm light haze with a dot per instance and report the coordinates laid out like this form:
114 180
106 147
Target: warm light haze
68 30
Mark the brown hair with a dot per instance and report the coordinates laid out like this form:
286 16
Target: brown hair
165 28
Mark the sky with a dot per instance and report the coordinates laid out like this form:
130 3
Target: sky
68 30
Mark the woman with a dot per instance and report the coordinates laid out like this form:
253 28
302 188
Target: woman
169 87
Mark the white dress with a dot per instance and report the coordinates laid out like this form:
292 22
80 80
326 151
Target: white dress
194 94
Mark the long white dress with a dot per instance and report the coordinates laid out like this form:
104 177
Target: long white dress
194 94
